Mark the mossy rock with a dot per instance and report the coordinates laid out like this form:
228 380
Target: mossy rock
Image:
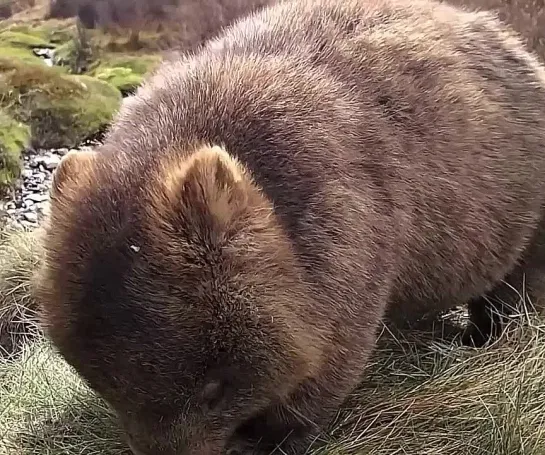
50 31
126 72
21 54
19 39
14 138
138 64
62 110
124 79
19 45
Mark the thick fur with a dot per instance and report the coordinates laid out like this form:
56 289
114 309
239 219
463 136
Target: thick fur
219 268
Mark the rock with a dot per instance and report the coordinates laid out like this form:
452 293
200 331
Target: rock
31 217
51 162
40 177
29 204
62 151
62 110
27 174
37 197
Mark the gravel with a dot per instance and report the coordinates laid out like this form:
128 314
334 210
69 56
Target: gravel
30 199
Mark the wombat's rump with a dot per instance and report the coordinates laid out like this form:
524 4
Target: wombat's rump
219 267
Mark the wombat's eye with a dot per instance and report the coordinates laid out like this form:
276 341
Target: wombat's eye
213 394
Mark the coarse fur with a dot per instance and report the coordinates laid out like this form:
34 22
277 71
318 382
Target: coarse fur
219 268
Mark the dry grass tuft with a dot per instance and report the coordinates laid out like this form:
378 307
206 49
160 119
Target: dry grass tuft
428 396
46 409
19 257
422 395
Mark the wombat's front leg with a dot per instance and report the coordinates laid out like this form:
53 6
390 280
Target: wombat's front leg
295 427
275 431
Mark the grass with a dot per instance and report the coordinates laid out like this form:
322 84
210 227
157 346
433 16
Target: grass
46 409
423 394
427 396
14 137
19 256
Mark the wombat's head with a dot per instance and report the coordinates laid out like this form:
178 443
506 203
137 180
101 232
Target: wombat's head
175 295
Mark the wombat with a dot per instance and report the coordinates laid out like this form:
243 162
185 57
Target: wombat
219 267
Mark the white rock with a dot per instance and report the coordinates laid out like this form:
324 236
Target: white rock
31 216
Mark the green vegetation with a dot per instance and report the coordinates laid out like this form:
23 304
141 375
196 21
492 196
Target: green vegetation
14 137
122 78
18 45
139 64
126 72
20 39
19 258
62 110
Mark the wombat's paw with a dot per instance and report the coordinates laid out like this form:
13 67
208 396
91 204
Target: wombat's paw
240 446
472 336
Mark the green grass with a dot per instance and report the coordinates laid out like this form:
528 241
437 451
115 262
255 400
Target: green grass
21 39
46 409
14 137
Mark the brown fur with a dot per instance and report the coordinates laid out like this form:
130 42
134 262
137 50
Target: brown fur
526 16
218 269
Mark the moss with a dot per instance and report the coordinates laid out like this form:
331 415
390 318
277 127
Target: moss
138 64
62 110
126 72
19 53
51 31
14 138
124 79
15 43
19 39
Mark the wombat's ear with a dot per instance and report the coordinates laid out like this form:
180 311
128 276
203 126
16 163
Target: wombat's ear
212 186
71 165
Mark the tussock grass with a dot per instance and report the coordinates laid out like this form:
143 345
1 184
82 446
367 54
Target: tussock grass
423 394
46 409
19 257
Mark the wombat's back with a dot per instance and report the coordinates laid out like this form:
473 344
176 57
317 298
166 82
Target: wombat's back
434 116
